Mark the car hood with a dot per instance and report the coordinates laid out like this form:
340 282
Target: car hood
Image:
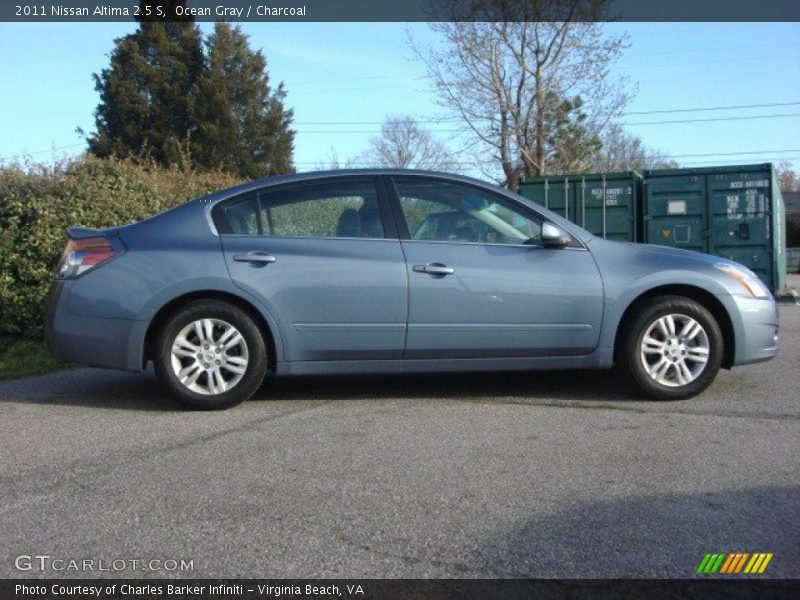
674 252
649 265
669 253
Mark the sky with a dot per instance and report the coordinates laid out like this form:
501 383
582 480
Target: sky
357 73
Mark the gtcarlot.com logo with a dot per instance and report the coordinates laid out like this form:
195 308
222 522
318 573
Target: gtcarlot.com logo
734 563
45 562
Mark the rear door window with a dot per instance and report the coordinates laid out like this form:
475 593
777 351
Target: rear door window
336 208
344 209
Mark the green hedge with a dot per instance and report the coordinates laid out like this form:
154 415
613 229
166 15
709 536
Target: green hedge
37 202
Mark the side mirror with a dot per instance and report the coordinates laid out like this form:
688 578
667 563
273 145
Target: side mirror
553 236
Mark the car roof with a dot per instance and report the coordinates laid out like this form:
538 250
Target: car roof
313 175
215 197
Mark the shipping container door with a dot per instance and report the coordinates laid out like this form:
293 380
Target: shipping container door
675 209
607 207
554 193
739 215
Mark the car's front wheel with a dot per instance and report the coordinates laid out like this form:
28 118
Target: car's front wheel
672 348
210 355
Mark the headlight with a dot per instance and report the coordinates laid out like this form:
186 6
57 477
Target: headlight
746 277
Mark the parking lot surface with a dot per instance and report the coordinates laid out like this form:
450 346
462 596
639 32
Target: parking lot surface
565 474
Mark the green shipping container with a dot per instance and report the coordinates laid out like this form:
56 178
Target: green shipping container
734 212
606 204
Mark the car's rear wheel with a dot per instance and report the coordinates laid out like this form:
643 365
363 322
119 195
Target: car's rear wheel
672 348
210 355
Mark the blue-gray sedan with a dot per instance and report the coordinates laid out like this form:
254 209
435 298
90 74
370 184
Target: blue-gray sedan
387 271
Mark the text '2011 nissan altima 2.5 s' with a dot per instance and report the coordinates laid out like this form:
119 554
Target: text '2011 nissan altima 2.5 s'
389 271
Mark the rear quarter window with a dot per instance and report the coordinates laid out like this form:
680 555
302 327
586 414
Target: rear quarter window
238 216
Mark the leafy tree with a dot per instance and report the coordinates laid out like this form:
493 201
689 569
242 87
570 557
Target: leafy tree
403 144
146 92
242 125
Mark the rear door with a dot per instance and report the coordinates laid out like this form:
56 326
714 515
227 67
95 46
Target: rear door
324 258
480 282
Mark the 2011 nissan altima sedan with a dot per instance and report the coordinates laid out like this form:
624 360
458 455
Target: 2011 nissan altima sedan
387 271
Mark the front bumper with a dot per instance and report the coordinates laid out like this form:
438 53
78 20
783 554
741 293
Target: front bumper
92 341
755 328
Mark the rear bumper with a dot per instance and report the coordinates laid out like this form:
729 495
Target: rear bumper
755 327
92 341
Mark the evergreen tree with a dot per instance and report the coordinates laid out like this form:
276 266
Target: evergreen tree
570 145
146 92
242 125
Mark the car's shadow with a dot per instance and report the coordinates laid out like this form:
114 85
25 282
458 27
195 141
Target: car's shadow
98 388
524 386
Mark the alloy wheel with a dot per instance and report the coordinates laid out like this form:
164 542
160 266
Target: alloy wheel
674 350
209 356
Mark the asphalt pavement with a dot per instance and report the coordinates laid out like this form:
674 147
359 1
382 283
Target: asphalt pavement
566 474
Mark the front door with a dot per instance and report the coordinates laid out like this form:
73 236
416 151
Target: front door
318 255
482 285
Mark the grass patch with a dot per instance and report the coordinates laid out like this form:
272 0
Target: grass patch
20 358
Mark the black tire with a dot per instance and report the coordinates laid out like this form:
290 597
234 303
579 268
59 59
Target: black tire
219 311
632 359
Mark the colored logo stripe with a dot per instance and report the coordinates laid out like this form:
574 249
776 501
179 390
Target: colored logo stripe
710 563
734 563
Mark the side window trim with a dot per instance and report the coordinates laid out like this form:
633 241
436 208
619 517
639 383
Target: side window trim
396 208
391 225
405 233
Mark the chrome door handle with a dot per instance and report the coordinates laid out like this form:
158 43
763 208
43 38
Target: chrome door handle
434 269
255 257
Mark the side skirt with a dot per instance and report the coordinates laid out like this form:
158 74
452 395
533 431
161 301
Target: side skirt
601 358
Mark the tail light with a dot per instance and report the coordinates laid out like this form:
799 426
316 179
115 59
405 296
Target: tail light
84 254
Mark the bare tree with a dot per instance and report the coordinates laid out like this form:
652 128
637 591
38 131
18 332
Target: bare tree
624 151
403 144
505 66
333 162
787 177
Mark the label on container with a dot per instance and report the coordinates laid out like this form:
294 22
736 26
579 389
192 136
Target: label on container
676 207
755 183
611 194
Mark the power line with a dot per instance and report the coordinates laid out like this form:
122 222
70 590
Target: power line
709 120
629 113
477 163
325 82
639 112
695 63
734 162
718 48
731 153
707 108
671 122
710 154
52 149
632 54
